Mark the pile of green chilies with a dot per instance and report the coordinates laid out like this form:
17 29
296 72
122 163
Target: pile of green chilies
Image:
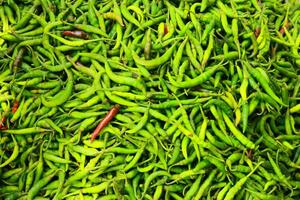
150 99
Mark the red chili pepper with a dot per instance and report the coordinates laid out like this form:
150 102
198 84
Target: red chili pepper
15 107
2 122
166 30
282 28
105 121
76 33
257 32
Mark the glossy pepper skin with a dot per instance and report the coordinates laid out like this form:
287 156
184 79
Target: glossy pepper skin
76 34
109 116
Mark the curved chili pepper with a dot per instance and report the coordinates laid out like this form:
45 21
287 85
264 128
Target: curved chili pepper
286 25
105 121
15 106
76 33
18 59
257 32
2 122
166 29
4 127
